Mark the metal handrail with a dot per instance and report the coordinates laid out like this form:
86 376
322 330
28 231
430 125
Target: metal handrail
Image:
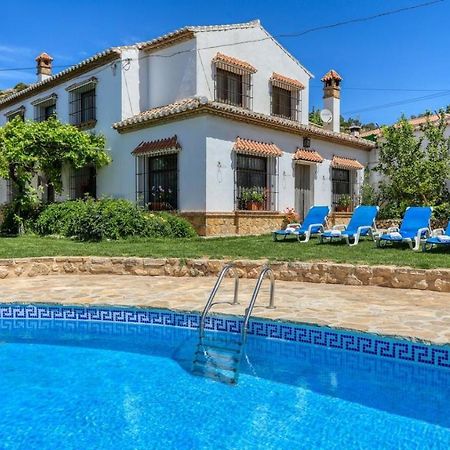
266 271
216 287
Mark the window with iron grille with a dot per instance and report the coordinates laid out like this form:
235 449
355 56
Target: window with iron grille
83 105
341 185
10 190
83 183
157 181
44 111
255 182
18 113
47 189
233 88
285 103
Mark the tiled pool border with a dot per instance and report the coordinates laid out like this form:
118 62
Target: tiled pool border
374 345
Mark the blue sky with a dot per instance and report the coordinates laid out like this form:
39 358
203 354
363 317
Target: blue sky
407 51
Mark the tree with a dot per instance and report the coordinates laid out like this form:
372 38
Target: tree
31 148
414 168
314 117
20 86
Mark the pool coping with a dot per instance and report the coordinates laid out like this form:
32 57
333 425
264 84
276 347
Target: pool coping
312 272
385 347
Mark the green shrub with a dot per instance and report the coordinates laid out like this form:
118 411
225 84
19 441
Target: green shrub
58 218
179 227
441 213
95 220
13 224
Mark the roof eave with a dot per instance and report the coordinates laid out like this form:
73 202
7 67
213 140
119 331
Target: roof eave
84 66
262 121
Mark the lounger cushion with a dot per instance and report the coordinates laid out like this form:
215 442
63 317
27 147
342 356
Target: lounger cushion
393 236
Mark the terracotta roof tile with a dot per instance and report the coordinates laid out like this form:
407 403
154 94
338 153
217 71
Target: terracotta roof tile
199 105
307 154
340 162
82 67
230 60
256 147
282 81
158 147
187 31
414 122
331 75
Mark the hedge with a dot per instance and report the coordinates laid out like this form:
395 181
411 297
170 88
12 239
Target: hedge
95 220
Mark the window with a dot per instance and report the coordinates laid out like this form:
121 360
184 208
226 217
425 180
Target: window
82 109
233 81
229 87
281 102
7 191
157 181
83 183
341 180
286 96
255 178
45 108
19 112
48 190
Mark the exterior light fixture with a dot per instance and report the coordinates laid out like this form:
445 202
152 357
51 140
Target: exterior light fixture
306 142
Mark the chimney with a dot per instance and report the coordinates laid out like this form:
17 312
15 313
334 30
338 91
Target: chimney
44 66
354 129
332 99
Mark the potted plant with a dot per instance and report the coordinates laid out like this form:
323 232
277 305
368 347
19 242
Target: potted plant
290 216
344 203
252 199
161 197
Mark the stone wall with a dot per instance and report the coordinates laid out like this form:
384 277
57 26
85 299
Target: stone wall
339 218
387 276
233 223
258 222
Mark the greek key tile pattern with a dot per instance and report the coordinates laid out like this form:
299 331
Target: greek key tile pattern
385 348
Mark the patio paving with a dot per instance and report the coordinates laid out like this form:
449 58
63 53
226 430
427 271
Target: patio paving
420 315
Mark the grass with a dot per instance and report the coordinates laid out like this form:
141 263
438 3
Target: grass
250 247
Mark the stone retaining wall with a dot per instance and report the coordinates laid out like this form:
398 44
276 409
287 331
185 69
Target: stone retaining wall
318 272
233 223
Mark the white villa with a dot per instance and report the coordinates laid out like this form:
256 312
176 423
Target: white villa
211 121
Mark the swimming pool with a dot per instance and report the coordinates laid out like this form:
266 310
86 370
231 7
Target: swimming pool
105 378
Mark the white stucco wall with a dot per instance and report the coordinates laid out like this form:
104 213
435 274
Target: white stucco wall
171 73
191 135
266 56
221 135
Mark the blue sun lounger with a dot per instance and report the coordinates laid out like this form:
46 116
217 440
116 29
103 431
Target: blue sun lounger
312 224
439 237
362 223
414 228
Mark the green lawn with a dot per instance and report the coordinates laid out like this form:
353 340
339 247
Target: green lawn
236 248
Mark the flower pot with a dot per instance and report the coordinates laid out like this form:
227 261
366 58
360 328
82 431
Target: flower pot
254 206
157 206
342 208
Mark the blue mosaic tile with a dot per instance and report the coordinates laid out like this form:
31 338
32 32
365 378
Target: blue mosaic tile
384 348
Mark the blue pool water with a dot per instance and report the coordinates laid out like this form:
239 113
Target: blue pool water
87 385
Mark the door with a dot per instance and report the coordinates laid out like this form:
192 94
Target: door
302 189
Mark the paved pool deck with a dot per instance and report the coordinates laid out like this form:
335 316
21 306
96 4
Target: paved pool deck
413 314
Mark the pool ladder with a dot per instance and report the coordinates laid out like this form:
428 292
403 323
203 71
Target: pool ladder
219 357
